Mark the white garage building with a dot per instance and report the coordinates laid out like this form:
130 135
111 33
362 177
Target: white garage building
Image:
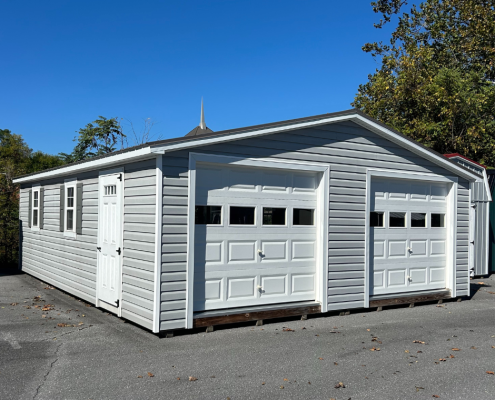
317 214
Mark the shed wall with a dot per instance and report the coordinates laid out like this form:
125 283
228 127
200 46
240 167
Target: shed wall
70 264
350 150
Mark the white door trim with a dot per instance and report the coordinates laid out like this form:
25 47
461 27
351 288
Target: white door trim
452 217
322 227
117 310
158 243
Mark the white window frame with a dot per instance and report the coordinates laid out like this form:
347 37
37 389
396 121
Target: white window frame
70 183
35 189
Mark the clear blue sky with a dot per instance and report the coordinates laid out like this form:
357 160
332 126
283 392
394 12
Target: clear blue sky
64 63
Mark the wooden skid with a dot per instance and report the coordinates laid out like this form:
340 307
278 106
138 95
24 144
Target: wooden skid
253 316
409 300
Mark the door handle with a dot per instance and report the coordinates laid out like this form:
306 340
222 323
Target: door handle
98 248
118 251
472 242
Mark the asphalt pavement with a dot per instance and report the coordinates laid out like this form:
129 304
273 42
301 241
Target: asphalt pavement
54 346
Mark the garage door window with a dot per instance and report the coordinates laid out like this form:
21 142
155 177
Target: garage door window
208 215
273 216
302 216
438 220
418 220
242 215
397 220
376 219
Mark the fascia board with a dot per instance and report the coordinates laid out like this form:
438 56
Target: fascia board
88 166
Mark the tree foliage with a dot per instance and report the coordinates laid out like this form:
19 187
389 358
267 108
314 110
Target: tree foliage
95 139
16 158
437 74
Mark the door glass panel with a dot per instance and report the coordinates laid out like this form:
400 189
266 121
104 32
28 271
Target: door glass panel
70 220
376 219
208 215
397 220
303 216
418 220
438 220
242 215
273 216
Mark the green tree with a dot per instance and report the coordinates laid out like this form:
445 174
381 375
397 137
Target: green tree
96 138
16 158
436 80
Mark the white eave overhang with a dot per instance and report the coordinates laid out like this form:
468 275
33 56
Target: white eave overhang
150 151
100 163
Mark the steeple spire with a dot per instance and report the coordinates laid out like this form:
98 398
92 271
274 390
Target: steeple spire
202 124
201 128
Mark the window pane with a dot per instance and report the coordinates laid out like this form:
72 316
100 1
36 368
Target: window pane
35 195
273 216
35 203
376 218
418 220
242 215
397 220
35 217
70 223
208 215
70 192
438 220
70 197
303 216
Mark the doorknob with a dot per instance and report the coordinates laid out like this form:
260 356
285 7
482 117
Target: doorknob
259 287
118 251
98 248
260 251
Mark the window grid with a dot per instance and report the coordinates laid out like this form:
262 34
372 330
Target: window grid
36 208
70 204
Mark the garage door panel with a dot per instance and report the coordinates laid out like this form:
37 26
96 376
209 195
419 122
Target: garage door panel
418 248
303 283
412 258
438 247
264 263
274 285
241 251
274 251
397 277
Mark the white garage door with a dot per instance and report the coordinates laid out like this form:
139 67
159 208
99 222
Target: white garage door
408 227
255 236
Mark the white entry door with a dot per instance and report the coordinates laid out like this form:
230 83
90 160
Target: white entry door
109 239
408 229
255 236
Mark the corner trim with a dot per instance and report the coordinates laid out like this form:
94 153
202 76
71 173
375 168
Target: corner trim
158 243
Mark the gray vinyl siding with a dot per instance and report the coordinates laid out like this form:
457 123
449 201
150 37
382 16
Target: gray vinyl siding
350 150
48 255
70 264
174 243
139 242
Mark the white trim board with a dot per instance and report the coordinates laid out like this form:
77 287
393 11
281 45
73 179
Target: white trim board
158 243
187 144
322 228
450 279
